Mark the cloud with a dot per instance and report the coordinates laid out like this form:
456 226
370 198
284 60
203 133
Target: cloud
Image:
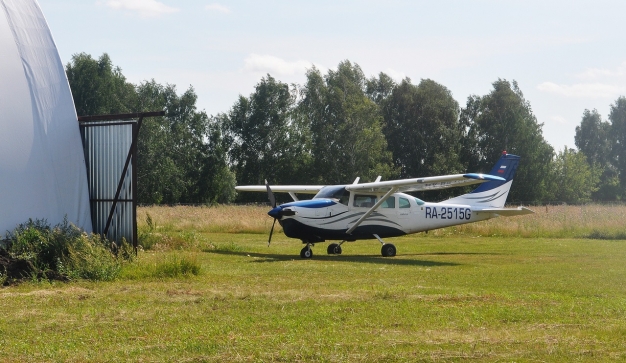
256 63
218 8
395 75
583 90
593 74
145 8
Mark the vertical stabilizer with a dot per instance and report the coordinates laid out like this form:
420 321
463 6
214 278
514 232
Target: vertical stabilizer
492 194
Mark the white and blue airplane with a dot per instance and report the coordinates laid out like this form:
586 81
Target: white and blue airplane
381 209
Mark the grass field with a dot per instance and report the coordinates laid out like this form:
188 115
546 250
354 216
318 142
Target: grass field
493 293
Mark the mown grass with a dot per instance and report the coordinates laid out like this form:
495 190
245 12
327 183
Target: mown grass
443 298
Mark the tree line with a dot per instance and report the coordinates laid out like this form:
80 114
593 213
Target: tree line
341 125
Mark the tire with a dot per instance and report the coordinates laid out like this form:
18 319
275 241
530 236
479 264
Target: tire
333 249
306 252
388 250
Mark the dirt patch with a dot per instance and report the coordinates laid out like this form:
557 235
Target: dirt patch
15 270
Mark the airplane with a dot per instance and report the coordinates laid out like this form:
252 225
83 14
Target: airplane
382 209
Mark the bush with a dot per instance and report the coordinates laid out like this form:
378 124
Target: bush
67 250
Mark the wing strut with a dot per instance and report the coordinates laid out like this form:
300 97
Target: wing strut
371 210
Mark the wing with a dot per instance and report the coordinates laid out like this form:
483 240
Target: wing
303 189
429 183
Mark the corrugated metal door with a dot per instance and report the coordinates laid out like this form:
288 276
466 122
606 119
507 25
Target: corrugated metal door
111 161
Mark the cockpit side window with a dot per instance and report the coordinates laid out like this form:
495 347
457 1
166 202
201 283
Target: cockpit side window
337 192
364 201
404 203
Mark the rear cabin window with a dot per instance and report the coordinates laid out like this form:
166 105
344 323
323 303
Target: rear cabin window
389 203
404 203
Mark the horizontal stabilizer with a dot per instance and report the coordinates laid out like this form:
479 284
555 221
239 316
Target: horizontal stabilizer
505 212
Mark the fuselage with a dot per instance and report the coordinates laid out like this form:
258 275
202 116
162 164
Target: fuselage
334 210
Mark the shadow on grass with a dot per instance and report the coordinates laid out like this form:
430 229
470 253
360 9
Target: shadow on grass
271 257
456 254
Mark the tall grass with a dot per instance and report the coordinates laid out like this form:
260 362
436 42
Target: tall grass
563 221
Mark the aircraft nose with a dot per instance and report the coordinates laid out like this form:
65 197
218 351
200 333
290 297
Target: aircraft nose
275 212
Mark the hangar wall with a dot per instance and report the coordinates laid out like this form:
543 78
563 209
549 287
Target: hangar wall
42 165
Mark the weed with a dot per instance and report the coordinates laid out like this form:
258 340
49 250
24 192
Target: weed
177 266
63 251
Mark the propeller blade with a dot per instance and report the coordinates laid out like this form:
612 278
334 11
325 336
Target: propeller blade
271 231
270 194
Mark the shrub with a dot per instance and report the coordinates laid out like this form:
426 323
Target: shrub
67 250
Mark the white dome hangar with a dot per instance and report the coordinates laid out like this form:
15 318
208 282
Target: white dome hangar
42 164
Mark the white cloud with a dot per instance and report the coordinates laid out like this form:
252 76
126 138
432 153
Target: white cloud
217 7
593 74
397 76
256 63
145 8
583 90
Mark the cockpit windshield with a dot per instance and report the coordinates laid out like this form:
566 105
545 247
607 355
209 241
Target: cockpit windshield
336 192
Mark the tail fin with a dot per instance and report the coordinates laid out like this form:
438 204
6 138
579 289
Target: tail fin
492 194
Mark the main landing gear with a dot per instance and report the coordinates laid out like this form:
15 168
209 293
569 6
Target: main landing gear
387 250
306 252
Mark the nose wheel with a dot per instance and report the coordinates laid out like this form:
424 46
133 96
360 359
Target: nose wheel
334 249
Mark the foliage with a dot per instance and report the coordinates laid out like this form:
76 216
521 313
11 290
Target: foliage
98 87
67 250
422 124
574 180
594 139
346 127
617 116
503 120
337 126
264 141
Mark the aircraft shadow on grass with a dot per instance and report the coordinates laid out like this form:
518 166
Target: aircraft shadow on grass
271 257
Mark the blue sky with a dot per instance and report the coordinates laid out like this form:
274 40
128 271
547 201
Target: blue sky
567 56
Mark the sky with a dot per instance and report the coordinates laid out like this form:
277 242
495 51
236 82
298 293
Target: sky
566 56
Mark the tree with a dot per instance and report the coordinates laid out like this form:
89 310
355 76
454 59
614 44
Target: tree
593 139
617 116
378 89
346 127
574 181
98 87
422 128
265 140
181 157
503 120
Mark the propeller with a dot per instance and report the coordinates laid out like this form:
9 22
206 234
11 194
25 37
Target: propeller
272 199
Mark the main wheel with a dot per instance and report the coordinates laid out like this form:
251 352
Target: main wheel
388 250
306 252
334 249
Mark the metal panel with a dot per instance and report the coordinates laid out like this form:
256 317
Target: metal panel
107 146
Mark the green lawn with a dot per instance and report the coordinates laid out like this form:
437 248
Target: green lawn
441 299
